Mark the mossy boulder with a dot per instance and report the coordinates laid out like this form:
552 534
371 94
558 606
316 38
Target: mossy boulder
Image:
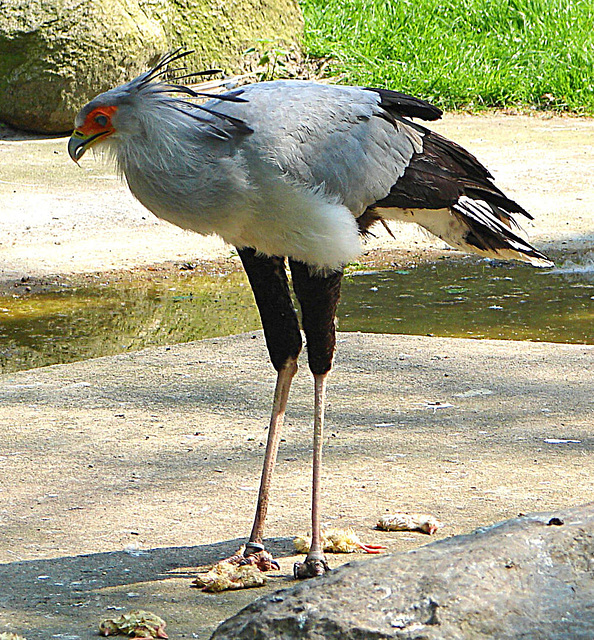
55 55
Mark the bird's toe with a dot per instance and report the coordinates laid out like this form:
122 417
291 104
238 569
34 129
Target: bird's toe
256 554
311 568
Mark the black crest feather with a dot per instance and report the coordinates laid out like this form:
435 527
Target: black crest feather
163 68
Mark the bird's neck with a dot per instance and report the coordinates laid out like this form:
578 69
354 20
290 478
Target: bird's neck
179 172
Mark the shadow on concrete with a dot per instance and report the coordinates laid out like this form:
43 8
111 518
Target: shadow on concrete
67 597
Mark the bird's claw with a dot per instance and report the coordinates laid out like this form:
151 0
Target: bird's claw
256 555
311 568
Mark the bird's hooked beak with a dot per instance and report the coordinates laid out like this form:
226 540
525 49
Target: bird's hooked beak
95 126
79 142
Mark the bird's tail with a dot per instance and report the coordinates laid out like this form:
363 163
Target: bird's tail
475 226
446 190
491 231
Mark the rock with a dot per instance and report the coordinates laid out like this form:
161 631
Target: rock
529 577
56 55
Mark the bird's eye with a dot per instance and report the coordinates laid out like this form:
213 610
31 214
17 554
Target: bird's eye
101 120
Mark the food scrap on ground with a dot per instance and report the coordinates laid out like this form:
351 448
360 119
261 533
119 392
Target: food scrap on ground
136 624
237 572
337 541
409 522
225 576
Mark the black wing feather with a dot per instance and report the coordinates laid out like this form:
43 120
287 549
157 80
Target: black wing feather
401 104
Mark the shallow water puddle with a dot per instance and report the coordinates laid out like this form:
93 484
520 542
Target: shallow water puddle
102 317
457 298
476 299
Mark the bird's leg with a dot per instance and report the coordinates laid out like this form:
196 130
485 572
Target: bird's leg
319 402
318 296
268 279
281 395
315 563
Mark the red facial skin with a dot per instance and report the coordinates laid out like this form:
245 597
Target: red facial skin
93 124
97 125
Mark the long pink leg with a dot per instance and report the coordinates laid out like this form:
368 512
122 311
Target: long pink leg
315 563
281 395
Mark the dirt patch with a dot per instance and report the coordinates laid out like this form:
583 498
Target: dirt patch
121 475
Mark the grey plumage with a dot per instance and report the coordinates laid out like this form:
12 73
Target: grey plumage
288 166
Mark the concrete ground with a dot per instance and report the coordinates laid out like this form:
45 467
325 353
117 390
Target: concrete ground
119 476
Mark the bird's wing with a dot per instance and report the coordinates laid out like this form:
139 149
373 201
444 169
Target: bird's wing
357 150
340 141
438 176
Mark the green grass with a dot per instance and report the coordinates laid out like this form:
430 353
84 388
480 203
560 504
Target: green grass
461 54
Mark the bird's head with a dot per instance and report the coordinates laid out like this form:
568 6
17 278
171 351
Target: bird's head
127 110
116 111
119 112
93 124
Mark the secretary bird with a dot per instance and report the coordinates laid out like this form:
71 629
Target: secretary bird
297 172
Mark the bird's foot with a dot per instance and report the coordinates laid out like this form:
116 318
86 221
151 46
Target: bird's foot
314 565
256 555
